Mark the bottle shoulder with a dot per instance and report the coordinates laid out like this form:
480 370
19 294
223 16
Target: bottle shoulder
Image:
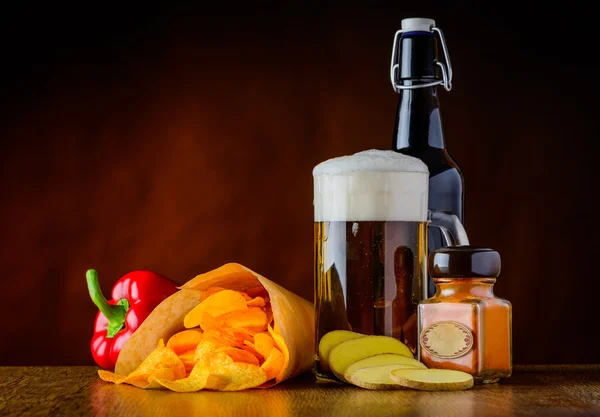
438 160
492 301
450 161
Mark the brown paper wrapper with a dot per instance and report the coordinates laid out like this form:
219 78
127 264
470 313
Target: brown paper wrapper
293 315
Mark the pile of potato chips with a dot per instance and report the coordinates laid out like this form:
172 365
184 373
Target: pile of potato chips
231 344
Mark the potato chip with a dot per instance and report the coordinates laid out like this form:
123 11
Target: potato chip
252 317
242 335
274 364
216 304
196 380
246 296
259 291
227 375
162 363
240 330
264 343
256 302
208 322
152 383
188 360
112 377
248 331
249 347
258 329
269 313
280 343
239 355
223 337
210 291
207 346
223 302
184 341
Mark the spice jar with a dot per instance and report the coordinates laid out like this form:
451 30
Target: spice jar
464 326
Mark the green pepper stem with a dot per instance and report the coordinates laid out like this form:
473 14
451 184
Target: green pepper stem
115 314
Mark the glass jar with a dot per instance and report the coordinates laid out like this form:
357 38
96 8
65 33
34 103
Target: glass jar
464 326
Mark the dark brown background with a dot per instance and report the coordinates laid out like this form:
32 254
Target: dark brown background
181 139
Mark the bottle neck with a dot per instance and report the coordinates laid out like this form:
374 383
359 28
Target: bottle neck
465 287
418 121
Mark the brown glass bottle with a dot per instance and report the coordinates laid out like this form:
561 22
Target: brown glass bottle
418 129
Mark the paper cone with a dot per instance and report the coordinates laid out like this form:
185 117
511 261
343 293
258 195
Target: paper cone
294 319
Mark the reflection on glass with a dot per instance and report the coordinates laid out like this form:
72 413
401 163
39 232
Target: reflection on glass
367 281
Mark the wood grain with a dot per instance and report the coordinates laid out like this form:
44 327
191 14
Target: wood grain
77 391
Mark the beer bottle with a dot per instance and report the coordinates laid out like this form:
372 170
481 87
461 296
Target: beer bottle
415 73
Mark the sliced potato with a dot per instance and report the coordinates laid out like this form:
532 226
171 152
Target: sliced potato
384 359
351 351
432 379
375 377
331 340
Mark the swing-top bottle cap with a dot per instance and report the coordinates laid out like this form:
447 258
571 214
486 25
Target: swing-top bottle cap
417 24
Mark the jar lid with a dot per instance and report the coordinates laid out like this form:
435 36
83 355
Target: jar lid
464 262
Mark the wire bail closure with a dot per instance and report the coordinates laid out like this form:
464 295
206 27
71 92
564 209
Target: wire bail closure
446 68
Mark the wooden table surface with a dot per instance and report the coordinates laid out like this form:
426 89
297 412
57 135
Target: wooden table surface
77 391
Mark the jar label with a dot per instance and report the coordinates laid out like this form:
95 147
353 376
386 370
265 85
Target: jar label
447 339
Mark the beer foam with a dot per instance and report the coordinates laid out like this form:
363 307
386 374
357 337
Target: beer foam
371 185
373 160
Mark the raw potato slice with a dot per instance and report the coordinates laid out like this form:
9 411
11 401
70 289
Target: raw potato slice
351 351
375 377
432 379
384 359
331 340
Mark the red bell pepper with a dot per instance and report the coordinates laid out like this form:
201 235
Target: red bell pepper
134 296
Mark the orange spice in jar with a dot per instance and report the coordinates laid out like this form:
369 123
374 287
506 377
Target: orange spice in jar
464 326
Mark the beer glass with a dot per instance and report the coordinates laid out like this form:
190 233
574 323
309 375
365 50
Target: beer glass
370 234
